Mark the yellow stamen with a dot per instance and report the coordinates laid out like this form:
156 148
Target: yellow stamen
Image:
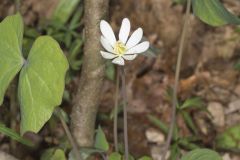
119 48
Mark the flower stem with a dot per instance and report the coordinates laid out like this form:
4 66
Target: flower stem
177 74
69 135
17 6
124 113
115 121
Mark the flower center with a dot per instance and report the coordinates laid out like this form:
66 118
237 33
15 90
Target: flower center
120 48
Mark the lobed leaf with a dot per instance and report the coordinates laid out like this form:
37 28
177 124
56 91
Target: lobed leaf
11 61
41 83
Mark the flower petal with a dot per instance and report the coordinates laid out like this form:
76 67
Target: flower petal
107 32
119 61
130 57
106 45
142 47
135 38
124 30
108 55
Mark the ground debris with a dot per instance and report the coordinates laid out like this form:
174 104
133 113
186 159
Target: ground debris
217 112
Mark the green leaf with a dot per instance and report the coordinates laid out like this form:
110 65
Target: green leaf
115 156
30 34
187 144
213 13
41 83
73 56
11 61
53 154
169 96
179 1
229 139
237 66
158 123
202 154
145 158
175 151
75 21
131 157
64 10
189 122
163 127
15 136
85 153
119 110
192 102
100 140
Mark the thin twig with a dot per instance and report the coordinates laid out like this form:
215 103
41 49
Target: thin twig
124 113
69 135
178 67
115 121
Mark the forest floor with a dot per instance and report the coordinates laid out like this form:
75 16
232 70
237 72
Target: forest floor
207 72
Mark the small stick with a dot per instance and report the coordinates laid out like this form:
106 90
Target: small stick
124 113
115 121
69 135
177 74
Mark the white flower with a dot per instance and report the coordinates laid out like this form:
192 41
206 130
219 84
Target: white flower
124 48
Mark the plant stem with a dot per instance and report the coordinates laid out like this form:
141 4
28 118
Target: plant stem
13 110
69 135
115 121
17 6
177 74
125 127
